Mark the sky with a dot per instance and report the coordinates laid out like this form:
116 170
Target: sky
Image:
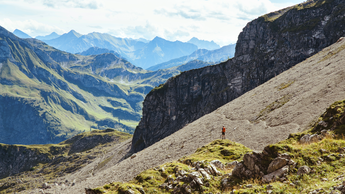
217 20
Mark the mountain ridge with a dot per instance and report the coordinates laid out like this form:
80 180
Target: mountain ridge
213 56
50 36
56 94
21 34
204 44
309 97
265 48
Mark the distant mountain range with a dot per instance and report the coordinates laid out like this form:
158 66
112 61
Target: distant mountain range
97 51
212 57
21 34
51 36
160 50
155 54
48 95
203 44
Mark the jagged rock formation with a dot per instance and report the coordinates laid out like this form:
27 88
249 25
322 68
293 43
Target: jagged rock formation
266 47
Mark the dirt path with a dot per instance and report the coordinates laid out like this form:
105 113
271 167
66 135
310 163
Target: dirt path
286 104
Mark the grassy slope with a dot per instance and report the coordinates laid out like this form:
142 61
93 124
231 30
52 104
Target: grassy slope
323 157
30 73
62 160
270 17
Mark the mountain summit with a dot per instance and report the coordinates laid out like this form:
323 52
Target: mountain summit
53 35
203 44
21 34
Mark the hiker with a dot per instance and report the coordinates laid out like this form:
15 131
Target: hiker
223 133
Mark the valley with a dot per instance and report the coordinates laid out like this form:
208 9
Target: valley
280 98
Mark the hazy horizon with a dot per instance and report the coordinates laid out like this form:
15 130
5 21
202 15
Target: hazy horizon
217 20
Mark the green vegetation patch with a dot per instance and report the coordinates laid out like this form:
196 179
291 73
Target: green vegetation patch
284 85
55 159
332 53
161 89
151 180
325 158
222 150
274 105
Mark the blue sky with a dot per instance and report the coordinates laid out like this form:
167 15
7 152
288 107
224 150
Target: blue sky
218 20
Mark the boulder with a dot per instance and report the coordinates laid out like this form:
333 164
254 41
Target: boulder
275 175
195 176
323 123
141 190
204 174
45 186
249 161
307 138
225 183
276 164
324 133
129 191
231 165
214 170
218 164
303 170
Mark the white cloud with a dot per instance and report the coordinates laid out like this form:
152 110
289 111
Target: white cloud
147 32
30 27
182 12
218 20
84 4
176 35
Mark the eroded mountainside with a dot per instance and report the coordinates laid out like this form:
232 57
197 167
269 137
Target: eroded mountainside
308 162
47 95
288 103
54 160
266 47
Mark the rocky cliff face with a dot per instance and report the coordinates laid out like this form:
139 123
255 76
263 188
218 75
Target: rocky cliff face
266 47
18 158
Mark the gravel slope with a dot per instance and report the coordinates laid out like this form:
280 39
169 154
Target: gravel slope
288 103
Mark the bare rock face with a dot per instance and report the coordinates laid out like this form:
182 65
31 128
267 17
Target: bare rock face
15 159
267 165
250 167
265 48
277 164
275 175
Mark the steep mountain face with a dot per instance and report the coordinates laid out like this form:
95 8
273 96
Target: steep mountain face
18 158
195 64
266 47
159 50
47 95
51 36
21 34
203 44
213 56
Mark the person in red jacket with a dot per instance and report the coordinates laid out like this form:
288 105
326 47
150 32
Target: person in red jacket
223 133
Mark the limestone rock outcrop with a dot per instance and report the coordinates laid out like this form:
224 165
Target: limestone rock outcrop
266 47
